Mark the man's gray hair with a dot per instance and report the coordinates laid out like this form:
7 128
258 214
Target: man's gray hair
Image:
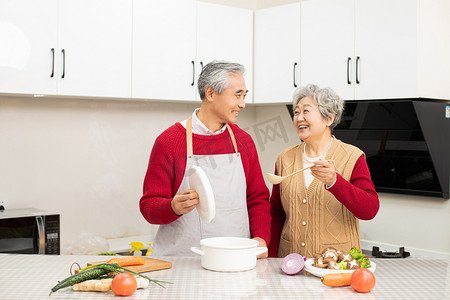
329 103
216 75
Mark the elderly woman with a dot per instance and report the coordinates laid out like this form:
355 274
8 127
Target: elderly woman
319 207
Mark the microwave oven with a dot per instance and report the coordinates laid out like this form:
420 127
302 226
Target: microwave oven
29 231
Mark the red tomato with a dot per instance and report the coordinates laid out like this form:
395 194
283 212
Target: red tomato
123 284
363 280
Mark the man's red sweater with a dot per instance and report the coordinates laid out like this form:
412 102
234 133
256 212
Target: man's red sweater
166 170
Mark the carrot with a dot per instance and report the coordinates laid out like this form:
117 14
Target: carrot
337 279
127 261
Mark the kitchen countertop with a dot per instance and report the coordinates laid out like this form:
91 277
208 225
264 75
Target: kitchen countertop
32 277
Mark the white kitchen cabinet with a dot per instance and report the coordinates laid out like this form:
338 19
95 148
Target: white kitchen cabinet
385 49
226 33
173 39
327 44
96 38
70 47
277 53
367 49
164 49
28 33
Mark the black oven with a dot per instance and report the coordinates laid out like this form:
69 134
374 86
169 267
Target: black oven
29 231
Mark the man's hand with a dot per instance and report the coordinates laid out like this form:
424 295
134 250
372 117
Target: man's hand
184 202
262 243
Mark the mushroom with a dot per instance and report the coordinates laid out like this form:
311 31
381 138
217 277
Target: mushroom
330 254
345 257
328 259
328 249
333 265
318 261
318 258
351 265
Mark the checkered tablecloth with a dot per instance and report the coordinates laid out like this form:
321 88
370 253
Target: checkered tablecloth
32 277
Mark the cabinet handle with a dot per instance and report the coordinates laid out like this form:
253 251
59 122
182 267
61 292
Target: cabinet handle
357 68
40 247
53 63
295 84
348 70
64 63
193 73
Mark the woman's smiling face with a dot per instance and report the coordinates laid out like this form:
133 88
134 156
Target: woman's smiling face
308 120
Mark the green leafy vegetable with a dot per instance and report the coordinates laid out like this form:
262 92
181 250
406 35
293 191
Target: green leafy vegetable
364 262
361 258
342 265
355 253
108 253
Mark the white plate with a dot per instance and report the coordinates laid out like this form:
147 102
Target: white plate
199 182
319 272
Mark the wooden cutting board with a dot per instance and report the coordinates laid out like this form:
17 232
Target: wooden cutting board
151 264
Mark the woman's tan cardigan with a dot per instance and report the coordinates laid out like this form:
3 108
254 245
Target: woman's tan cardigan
315 219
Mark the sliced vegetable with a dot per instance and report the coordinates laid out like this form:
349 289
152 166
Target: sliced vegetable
292 264
124 284
127 261
93 285
363 280
337 279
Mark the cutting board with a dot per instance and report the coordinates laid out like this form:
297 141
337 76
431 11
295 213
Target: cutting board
151 264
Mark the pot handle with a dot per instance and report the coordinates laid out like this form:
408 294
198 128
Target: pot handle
259 250
197 250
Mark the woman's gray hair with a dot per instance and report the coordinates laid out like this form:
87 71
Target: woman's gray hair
216 75
329 103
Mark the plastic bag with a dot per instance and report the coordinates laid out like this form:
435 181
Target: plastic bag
86 244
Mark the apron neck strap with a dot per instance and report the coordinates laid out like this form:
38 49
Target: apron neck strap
189 137
233 139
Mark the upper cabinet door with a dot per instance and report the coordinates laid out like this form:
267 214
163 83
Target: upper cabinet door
164 49
327 45
386 48
28 33
95 48
277 53
225 33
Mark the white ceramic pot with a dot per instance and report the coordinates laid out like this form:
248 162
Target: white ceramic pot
228 254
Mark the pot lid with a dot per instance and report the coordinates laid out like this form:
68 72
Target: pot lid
199 182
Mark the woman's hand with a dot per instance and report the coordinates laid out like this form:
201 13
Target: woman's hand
324 171
184 202
262 243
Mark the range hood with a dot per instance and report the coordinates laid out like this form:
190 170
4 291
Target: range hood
406 142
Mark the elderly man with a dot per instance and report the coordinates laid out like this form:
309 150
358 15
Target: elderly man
226 153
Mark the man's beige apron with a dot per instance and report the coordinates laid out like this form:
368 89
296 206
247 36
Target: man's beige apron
226 175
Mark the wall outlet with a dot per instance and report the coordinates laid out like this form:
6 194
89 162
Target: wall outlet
3 204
